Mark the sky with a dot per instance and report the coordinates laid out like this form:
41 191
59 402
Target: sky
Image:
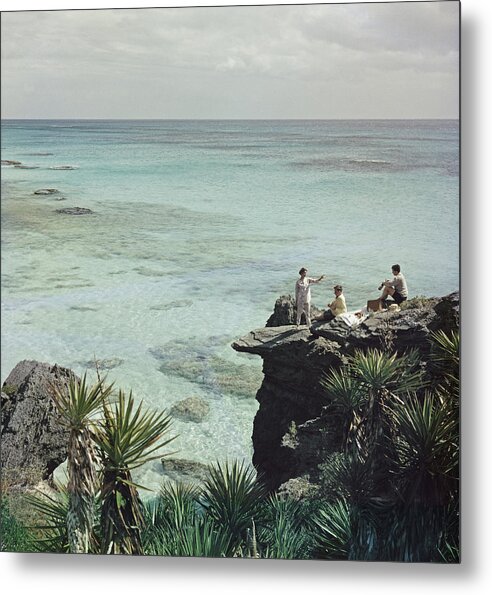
373 60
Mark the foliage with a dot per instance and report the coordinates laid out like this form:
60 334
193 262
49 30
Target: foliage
14 536
127 439
77 408
53 528
392 491
284 532
232 497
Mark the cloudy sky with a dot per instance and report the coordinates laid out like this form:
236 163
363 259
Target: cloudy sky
378 60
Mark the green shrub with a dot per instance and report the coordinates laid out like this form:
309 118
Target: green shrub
14 536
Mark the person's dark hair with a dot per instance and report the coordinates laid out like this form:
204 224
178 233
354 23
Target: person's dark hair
396 267
338 288
303 270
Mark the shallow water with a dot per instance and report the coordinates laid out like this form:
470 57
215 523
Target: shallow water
198 226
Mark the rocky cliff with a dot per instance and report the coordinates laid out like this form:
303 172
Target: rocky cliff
291 427
33 442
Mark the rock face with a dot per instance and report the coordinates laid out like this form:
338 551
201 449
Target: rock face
288 431
33 443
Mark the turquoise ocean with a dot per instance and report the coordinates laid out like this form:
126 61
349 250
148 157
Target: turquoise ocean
197 227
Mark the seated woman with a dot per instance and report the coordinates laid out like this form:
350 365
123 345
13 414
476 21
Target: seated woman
337 306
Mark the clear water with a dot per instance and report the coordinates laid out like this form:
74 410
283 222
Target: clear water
198 227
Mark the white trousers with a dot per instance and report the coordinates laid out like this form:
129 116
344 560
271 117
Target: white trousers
306 308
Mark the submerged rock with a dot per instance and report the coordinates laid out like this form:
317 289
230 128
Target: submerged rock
197 363
75 211
63 167
182 469
10 162
26 166
191 409
33 441
103 364
46 191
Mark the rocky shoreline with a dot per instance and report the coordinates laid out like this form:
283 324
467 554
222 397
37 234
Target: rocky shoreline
291 430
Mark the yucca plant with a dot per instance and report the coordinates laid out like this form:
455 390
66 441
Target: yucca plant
332 531
445 361
52 530
426 448
78 407
348 397
202 537
283 531
127 439
231 497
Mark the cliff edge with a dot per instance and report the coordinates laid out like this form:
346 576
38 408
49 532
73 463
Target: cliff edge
291 427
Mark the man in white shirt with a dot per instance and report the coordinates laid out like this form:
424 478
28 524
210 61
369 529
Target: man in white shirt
397 288
303 295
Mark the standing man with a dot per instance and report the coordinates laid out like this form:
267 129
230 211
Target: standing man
397 288
303 295
337 306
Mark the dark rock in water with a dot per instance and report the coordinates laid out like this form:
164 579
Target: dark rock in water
46 191
61 198
64 167
182 469
75 211
293 426
284 312
33 441
38 154
26 166
10 162
191 409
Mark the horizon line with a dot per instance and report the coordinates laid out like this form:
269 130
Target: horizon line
224 119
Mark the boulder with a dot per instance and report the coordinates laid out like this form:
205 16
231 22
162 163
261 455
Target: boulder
10 162
284 312
33 441
191 409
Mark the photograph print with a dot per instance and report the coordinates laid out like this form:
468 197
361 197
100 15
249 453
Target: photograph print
230 281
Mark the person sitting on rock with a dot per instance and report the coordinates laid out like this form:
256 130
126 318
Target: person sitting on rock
337 306
396 288
303 295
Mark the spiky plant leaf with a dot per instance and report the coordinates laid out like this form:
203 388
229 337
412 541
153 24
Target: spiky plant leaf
427 447
232 497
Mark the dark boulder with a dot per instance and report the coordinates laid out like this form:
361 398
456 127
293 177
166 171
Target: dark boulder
33 441
284 312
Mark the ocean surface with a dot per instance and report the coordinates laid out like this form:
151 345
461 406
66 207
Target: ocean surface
198 227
